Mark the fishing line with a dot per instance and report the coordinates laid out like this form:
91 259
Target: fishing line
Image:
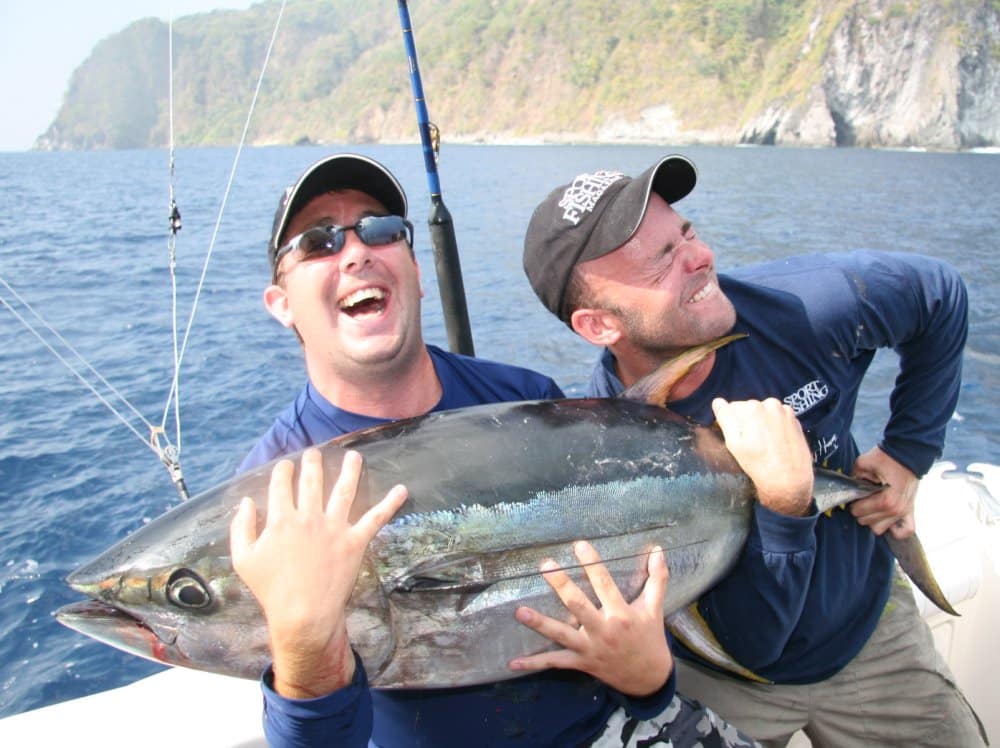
168 453
174 223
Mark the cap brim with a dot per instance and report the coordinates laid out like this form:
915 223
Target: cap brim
673 178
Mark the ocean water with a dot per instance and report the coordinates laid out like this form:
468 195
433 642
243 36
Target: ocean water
83 239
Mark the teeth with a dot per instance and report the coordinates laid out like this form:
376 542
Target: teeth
365 294
709 287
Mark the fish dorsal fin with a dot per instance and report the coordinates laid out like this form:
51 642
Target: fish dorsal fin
655 388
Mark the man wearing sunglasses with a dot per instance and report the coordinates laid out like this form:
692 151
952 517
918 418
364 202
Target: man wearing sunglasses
345 280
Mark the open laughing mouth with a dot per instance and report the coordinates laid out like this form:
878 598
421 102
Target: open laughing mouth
367 301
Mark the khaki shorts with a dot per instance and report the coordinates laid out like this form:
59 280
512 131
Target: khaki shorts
896 691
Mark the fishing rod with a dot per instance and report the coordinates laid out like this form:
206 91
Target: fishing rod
442 228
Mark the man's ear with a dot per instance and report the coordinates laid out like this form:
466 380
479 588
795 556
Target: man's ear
598 326
276 303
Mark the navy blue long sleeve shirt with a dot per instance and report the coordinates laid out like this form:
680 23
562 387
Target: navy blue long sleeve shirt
550 708
808 591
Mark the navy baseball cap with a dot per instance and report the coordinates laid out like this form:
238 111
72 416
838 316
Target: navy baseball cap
337 172
591 216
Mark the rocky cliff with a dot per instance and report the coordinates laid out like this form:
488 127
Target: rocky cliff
880 73
896 75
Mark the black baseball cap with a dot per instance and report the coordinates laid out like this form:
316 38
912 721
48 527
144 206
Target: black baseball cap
340 171
591 216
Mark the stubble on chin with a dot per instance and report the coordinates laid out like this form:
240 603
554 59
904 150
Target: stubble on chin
663 337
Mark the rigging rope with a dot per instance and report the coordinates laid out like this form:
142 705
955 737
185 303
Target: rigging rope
168 453
222 207
171 454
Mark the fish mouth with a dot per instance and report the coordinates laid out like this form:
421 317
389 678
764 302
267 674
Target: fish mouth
94 613
119 629
93 584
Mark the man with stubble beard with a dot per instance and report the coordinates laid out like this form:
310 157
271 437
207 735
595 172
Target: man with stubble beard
815 606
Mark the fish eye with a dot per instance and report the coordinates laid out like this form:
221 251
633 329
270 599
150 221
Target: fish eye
186 589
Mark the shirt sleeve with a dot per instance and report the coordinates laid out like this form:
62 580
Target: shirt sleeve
263 451
343 718
768 586
919 307
552 391
650 706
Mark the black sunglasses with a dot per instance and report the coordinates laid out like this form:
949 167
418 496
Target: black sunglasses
323 241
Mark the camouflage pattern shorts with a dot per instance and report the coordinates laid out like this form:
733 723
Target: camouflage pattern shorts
683 724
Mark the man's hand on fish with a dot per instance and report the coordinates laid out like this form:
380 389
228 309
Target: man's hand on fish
621 644
892 508
766 440
288 569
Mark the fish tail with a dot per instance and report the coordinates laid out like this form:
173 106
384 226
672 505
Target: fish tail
834 489
913 560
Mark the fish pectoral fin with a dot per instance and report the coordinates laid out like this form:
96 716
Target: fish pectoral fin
450 575
692 630
426 583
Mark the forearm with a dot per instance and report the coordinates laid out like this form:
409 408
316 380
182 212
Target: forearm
303 674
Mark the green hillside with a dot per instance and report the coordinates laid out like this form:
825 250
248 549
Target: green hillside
683 70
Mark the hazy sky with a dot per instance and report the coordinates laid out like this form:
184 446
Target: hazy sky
43 41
